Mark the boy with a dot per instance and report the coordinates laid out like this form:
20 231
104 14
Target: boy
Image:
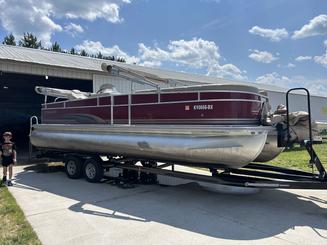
8 155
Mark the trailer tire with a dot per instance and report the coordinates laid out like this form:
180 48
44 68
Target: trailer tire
73 167
93 170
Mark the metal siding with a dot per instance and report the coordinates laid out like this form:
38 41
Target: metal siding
35 70
43 70
298 102
122 85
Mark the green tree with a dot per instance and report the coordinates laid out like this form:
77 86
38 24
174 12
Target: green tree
109 58
99 55
72 51
30 41
83 53
121 60
56 47
9 40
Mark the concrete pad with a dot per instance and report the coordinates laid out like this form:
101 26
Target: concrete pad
65 211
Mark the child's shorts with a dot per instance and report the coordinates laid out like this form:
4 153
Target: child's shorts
6 162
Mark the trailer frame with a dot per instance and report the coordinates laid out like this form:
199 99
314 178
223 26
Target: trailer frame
253 175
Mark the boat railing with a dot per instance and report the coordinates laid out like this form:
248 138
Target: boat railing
111 110
160 99
133 77
129 109
33 120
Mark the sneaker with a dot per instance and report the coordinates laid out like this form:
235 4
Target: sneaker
9 183
4 179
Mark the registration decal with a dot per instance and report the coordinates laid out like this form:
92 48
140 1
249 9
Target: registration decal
203 107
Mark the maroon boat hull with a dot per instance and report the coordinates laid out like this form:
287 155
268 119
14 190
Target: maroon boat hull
199 125
224 108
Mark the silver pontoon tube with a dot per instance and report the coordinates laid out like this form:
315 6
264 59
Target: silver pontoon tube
224 147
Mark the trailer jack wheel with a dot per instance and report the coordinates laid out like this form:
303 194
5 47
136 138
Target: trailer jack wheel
73 167
146 177
93 170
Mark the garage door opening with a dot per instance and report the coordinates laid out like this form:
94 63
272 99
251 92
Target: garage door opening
19 101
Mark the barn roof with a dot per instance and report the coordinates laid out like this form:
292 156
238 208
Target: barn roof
93 65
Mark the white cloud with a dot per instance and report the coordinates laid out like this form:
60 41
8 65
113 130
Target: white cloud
196 53
315 86
275 35
155 54
73 29
316 26
274 79
321 60
193 53
92 47
38 16
262 56
303 58
22 16
89 10
290 65
227 70
153 63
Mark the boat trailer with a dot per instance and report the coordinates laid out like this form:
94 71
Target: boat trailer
253 175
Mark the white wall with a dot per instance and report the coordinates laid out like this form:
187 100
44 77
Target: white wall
122 85
298 102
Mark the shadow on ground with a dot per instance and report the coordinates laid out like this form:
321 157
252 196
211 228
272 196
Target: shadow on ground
44 167
188 207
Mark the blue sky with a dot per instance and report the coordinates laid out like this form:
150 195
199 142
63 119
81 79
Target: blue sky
275 42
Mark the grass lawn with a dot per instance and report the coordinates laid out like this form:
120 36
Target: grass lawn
298 157
14 228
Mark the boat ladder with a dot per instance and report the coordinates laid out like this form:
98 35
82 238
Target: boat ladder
314 159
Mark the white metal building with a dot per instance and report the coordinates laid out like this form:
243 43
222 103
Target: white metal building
23 68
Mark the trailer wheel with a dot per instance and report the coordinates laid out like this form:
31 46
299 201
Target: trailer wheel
93 170
73 167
